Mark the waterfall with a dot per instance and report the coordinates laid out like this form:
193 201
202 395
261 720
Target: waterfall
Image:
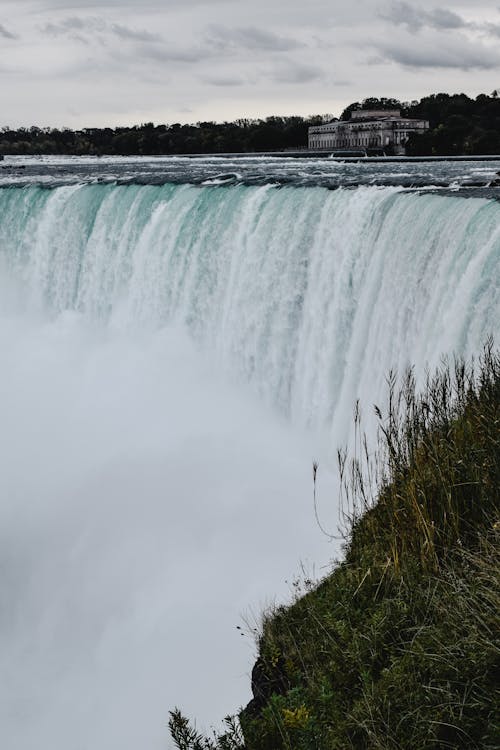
173 357
310 295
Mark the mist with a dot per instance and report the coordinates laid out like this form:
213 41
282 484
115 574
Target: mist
148 508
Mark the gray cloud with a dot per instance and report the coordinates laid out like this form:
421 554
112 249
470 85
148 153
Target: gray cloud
401 13
404 14
492 28
223 81
94 25
458 53
74 24
5 33
147 46
296 73
250 38
136 35
167 54
441 18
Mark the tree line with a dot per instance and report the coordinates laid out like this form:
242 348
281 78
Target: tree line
458 125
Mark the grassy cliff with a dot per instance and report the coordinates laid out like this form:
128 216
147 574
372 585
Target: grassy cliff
399 646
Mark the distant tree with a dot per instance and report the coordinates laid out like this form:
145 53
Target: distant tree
371 103
458 125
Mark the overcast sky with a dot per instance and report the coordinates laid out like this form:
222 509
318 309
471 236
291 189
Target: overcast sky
80 63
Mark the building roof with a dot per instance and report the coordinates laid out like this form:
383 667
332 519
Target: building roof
374 114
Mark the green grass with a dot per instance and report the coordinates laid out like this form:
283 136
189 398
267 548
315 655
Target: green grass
399 646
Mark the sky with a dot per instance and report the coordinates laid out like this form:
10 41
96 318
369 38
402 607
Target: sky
89 63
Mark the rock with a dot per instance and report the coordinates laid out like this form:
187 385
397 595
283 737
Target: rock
266 681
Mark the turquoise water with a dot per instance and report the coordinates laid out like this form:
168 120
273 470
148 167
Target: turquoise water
308 295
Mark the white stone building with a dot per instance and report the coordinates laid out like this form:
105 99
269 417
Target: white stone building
368 129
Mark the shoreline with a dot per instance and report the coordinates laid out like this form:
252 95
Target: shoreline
298 154
309 154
